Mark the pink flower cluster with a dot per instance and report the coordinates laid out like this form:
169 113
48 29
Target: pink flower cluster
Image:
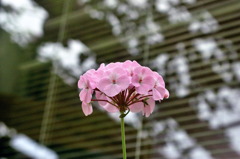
121 87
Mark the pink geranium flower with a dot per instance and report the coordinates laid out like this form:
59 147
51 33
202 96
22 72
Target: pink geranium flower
130 66
122 87
86 93
158 90
143 79
115 81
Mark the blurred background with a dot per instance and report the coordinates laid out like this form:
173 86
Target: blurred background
46 45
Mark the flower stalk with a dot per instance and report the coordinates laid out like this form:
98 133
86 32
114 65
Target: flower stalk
123 136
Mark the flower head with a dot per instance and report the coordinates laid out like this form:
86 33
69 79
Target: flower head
122 87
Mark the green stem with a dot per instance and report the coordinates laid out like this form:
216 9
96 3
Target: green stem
123 137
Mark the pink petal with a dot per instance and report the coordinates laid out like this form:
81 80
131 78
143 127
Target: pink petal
102 66
135 81
161 90
112 90
103 83
127 63
87 108
86 95
137 107
123 82
86 81
135 63
148 81
148 109
143 89
110 108
119 71
158 79
158 93
81 82
100 73
146 71
100 95
114 65
151 104
166 93
130 66
146 84
138 71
